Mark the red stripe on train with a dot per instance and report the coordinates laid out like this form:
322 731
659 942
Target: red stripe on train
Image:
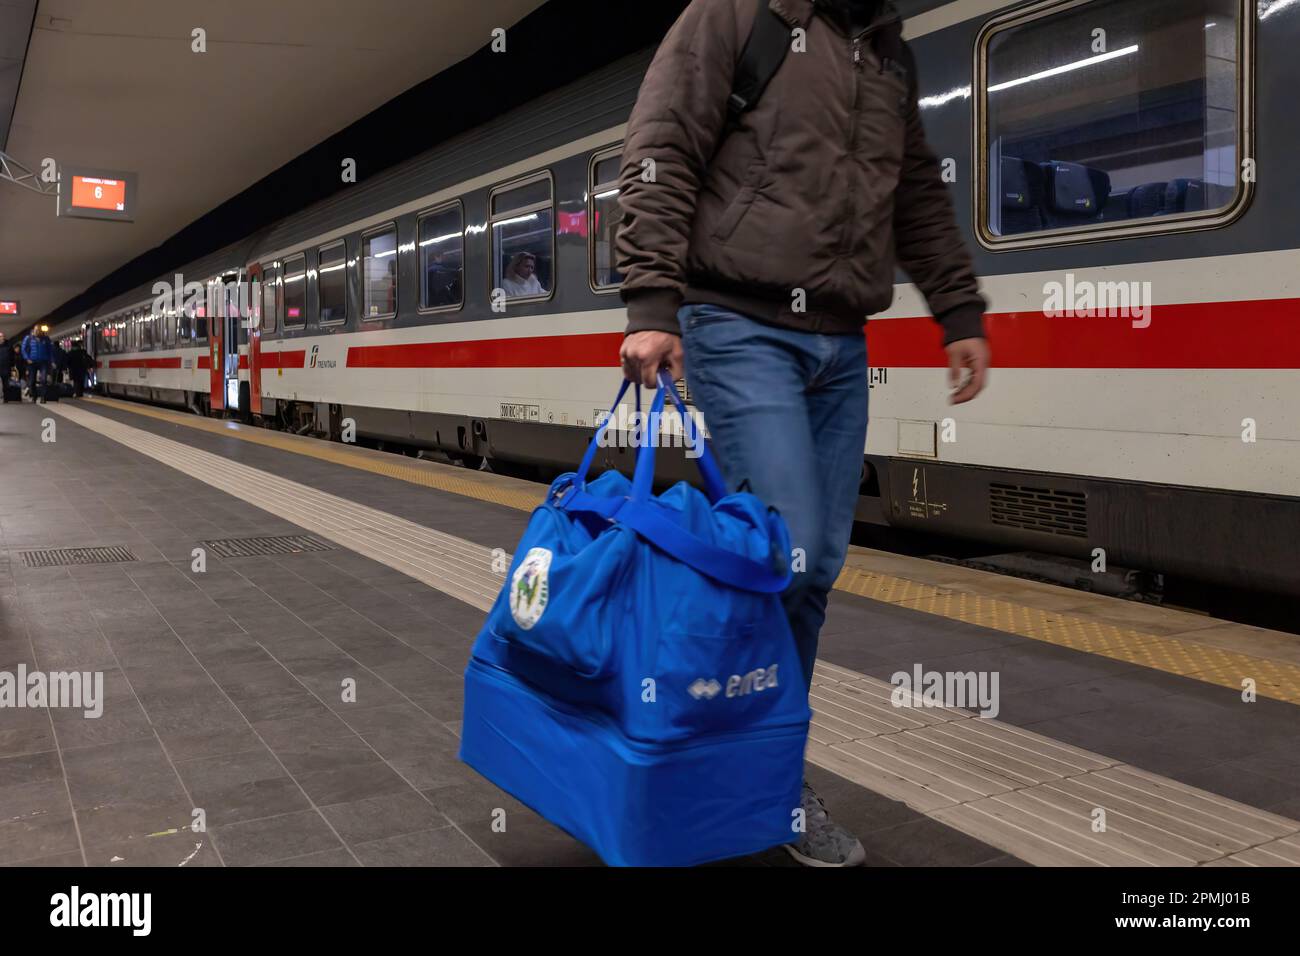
594 350
171 362
1220 335
291 358
1252 334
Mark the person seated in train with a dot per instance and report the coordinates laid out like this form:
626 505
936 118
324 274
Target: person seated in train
521 276
442 280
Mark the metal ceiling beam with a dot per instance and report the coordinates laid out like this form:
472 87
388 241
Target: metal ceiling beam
15 172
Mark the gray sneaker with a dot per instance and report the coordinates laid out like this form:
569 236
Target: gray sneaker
824 843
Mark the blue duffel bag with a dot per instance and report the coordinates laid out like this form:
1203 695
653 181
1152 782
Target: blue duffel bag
636 682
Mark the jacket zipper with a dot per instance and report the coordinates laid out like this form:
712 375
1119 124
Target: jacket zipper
856 46
846 240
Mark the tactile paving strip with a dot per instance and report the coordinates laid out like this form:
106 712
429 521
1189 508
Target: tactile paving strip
1273 679
449 478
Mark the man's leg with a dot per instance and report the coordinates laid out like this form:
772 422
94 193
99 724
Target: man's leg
762 390
837 419
749 380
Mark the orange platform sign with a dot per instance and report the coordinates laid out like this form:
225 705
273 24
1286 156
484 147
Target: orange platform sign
95 192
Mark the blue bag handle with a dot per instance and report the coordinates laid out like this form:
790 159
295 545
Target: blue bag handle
580 477
643 477
639 513
714 487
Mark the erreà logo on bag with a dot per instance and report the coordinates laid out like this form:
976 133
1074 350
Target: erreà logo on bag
738 685
530 587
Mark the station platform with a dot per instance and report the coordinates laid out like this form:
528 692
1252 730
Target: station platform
1120 738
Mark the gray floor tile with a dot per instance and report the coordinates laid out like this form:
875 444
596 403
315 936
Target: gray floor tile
442 847
274 838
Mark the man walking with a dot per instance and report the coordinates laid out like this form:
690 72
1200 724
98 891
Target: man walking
38 350
758 236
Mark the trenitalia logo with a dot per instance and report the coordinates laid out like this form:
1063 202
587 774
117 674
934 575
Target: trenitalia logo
315 361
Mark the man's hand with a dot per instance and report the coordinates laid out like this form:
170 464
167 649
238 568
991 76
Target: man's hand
644 353
970 354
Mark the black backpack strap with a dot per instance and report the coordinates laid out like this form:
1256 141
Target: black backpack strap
895 54
764 52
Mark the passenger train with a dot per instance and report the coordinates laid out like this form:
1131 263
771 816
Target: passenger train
1123 171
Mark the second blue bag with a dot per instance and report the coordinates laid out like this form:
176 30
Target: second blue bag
636 682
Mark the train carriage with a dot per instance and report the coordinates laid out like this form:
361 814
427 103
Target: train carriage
1120 169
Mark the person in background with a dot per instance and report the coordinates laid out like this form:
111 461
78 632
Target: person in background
38 350
79 365
6 366
59 361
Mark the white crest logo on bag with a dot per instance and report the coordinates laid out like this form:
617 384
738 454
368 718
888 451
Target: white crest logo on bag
530 587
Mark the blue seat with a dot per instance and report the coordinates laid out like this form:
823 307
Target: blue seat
1073 194
1021 188
1184 195
1147 200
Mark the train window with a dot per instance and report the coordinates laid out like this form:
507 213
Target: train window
185 324
331 284
1111 116
441 241
379 273
169 323
604 215
144 322
295 291
270 299
523 238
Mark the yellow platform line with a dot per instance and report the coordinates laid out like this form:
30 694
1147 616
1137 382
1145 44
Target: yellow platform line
1273 679
427 474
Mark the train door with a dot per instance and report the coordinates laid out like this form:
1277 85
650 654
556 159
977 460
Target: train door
240 308
216 321
263 280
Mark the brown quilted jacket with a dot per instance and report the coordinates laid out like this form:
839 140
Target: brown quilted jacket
822 188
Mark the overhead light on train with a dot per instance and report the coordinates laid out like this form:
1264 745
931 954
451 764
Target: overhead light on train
1067 68
447 238
517 219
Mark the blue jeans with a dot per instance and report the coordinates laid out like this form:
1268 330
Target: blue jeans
787 418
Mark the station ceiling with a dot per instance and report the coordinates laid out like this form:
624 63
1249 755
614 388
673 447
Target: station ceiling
115 84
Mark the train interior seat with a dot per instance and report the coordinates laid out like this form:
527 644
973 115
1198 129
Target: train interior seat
1074 193
1185 195
1147 200
1022 196
1056 194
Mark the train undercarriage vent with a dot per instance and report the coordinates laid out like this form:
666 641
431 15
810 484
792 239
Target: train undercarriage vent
1047 510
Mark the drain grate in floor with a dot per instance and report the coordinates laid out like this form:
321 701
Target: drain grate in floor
70 557
253 547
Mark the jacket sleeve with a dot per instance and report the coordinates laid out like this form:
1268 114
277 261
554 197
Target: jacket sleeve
677 123
929 245
26 349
